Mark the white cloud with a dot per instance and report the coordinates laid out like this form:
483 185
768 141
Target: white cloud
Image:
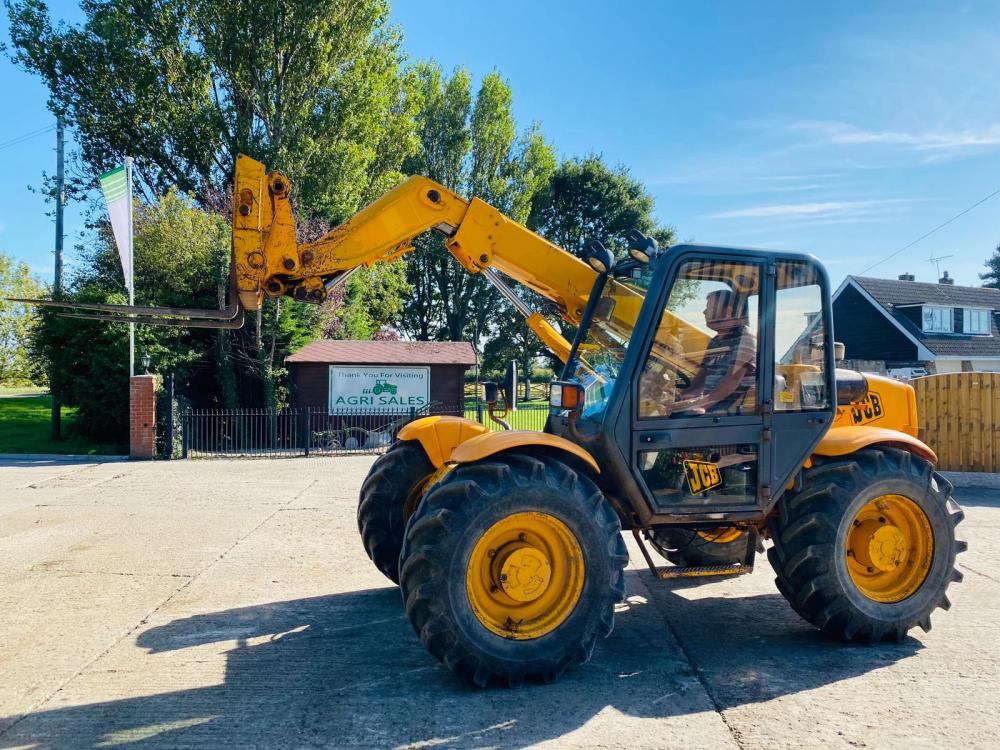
845 134
815 209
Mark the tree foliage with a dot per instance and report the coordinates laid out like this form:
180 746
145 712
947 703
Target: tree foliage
311 87
17 322
181 259
587 200
991 278
470 145
584 200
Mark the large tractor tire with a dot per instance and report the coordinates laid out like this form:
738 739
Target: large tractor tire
685 547
511 568
389 494
866 548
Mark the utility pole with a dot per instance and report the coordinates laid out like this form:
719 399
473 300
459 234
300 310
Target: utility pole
131 269
57 286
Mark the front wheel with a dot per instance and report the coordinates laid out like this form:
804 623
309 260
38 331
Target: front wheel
866 548
511 568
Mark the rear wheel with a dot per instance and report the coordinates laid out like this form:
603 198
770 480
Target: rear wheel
866 548
686 547
511 568
389 494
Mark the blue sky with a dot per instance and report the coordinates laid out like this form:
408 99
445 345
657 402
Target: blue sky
846 131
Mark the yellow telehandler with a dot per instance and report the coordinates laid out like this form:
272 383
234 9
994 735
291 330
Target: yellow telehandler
700 407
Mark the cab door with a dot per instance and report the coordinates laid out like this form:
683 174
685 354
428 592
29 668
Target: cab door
700 401
733 387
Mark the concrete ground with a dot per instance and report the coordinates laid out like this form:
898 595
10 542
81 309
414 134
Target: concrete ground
230 604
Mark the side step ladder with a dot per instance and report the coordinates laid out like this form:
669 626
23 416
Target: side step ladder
668 572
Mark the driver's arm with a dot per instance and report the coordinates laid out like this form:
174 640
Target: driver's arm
742 365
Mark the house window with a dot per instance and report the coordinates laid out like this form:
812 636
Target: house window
938 319
976 321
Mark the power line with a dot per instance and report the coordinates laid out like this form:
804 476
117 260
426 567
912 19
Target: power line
27 136
928 234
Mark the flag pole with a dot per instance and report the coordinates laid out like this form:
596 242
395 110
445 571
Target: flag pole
131 269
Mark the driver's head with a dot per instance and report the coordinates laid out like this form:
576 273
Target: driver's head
725 309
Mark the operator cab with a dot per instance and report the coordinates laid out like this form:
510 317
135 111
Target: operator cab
705 378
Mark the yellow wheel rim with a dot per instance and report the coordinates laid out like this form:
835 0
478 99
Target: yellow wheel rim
889 548
525 575
721 536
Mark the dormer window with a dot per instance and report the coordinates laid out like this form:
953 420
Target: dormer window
938 319
976 321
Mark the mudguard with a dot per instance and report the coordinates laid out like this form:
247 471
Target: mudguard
840 441
489 443
440 435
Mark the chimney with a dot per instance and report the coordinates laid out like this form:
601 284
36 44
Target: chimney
907 277
946 279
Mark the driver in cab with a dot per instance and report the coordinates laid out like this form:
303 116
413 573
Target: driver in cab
729 366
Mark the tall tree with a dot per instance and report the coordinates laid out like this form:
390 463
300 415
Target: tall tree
470 145
181 259
311 87
587 200
991 278
314 88
17 322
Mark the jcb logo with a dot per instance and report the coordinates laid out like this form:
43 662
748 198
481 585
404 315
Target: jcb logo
701 476
867 409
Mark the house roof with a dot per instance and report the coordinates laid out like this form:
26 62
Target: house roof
386 352
894 295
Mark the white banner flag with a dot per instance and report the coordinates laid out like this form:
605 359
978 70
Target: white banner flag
115 186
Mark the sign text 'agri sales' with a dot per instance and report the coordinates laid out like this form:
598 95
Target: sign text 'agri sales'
380 389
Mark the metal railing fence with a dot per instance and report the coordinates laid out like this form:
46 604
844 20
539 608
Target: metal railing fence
305 431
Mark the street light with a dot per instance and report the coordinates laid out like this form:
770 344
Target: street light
145 363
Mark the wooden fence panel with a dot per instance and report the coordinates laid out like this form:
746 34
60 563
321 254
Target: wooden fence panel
958 414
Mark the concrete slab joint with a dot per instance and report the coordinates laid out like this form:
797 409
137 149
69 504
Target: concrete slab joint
142 416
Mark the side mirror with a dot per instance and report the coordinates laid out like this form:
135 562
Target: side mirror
490 388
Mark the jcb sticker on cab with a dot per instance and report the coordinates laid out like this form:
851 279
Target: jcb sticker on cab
867 409
701 476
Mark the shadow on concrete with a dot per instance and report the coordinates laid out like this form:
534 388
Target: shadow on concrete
986 497
346 670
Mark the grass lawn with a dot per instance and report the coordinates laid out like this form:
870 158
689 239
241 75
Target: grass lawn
31 390
530 415
25 425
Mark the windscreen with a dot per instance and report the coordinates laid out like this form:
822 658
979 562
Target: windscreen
600 352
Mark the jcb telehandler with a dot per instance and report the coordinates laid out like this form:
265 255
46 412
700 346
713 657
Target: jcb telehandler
699 408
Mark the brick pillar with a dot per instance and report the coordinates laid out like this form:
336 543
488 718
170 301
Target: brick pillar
142 416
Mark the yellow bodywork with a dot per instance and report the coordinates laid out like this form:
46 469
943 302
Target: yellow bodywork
489 443
267 259
886 416
439 436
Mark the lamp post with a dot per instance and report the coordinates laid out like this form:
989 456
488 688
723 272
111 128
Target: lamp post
145 363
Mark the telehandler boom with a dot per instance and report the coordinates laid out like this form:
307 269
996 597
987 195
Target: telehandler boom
700 407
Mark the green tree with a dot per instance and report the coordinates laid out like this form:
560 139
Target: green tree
586 200
470 145
315 89
991 278
17 321
181 259
312 87
583 200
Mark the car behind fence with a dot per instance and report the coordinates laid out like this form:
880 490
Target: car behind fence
307 431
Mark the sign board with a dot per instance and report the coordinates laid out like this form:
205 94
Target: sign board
379 389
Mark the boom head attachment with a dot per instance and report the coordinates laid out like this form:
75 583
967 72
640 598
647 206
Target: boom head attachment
263 246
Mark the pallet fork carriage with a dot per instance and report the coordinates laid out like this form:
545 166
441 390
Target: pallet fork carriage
699 407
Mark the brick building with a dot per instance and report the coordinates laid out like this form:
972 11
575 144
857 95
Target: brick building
380 374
